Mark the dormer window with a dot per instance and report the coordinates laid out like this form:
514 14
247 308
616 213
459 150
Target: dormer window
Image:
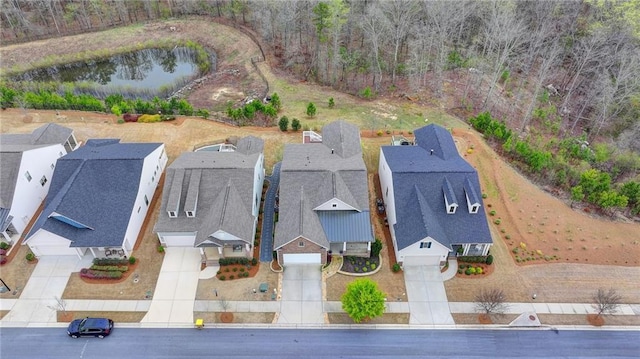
172 214
190 214
474 208
450 200
452 209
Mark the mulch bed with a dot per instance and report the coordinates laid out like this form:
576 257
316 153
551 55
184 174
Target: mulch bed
486 270
234 270
359 263
125 275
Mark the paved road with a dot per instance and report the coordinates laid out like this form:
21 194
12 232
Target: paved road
266 242
247 343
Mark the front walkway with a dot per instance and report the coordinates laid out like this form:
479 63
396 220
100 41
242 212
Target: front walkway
266 240
427 297
175 293
301 301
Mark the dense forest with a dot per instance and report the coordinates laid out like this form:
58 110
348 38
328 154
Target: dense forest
567 69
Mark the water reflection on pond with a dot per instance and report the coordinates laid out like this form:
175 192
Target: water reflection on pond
146 69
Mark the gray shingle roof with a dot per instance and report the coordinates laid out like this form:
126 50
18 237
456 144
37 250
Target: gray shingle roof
96 185
422 179
219 185
314 173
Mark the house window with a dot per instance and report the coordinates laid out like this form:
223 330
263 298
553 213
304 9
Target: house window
333 205
189 213
43 181
301 244
172 214
28 176
146 200
153 178
53 166
425 244
474 209
452 209
237 247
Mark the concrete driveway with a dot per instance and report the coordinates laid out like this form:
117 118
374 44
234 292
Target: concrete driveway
301 301
426 295
175 292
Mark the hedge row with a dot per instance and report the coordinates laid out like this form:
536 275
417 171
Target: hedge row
110 261
110 268
238 260
100 274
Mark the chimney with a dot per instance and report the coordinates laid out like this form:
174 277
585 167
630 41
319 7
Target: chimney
432 152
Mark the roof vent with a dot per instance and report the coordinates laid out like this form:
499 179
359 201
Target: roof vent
432 152
332 151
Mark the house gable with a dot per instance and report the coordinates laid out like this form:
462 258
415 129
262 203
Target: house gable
334 204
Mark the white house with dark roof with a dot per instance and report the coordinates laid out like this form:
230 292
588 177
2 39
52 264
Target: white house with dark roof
433 200
211 200
98 200
324 201
27 162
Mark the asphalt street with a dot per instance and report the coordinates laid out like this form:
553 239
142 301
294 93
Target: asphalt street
54 343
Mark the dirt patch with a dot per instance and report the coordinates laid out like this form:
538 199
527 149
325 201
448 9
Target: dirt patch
237 271
475 318
16 272
239 317
238 289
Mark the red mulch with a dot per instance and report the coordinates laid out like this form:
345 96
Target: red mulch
595 320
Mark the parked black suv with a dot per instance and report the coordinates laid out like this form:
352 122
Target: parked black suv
90 327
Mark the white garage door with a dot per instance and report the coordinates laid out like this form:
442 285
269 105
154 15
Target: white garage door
303 258
177 240
53 251
421 260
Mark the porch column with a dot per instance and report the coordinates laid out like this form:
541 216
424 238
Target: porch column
220 252
369 246
344 247
466 249
485 249
93 252
6 236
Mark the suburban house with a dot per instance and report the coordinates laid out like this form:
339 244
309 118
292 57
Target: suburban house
211 200
27 162
323 198
433 200
98 200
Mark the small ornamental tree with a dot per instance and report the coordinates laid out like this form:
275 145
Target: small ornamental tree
283 123
275 101
295 124
311 109
332 103
490 301
363 300
606 302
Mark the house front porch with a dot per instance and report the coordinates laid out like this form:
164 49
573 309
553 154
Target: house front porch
460 250
356 249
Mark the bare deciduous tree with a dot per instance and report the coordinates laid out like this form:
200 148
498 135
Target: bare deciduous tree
606 302
60 305
491 301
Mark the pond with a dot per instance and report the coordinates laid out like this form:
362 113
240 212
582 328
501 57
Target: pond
143 72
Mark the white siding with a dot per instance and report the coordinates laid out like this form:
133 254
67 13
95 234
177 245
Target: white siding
44 243
258 182
177 239
29 195
334 204
386 186
154 162
413 252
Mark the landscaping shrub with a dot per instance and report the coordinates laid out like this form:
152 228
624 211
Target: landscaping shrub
478 270
254 261
4 245
235 269
232 277
160 249
222 277
492 213
110 261
245 274
365 269
149 118
99 274
128 117
3 259
489 259
497 221
468 271
241 269
373 266
110 268
376 247
460 271
396 268
3 251
132 260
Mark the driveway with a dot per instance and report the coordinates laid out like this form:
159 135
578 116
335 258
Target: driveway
37 302
175 291
426 295
301 301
